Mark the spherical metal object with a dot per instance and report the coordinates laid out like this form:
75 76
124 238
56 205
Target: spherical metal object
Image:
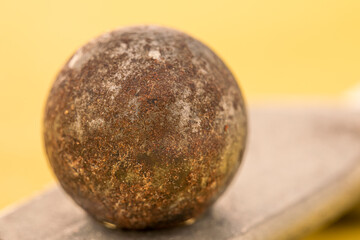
145 127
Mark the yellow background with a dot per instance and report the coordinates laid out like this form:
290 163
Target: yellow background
285 49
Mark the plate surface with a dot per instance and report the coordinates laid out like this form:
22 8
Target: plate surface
301 170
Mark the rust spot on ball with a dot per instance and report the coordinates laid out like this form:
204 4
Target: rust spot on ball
134 127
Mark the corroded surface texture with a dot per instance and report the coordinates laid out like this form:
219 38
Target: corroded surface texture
145 127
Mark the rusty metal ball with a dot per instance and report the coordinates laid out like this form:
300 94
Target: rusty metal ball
145 127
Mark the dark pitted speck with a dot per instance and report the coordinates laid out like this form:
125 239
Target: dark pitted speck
145 127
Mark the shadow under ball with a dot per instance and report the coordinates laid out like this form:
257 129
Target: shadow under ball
145 127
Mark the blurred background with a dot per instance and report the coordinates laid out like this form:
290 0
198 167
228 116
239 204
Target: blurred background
295 50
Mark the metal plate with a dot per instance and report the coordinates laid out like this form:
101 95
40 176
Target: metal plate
301 170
